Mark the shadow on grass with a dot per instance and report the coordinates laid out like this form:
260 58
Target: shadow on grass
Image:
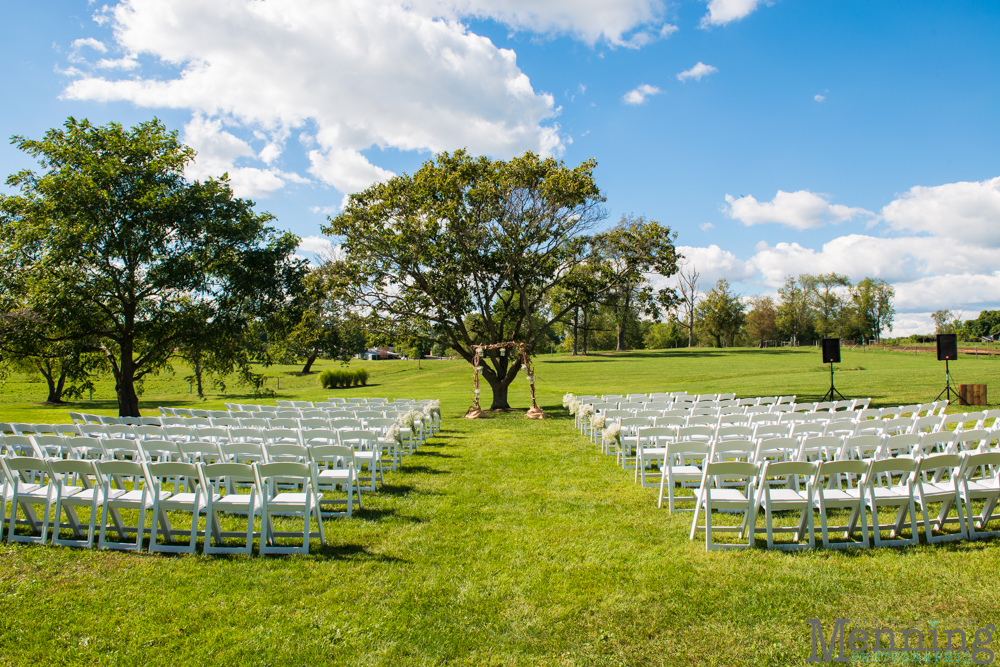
426 470
424 452
706 352
353 552
384 514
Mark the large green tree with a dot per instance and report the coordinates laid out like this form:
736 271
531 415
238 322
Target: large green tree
873 301
473 246
628 255
721 313
795 313
830 297
111 243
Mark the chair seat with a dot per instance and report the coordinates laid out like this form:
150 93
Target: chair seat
80 495
179 499
728 496
841 495
687 472
334 474
785 496
288 500
890 494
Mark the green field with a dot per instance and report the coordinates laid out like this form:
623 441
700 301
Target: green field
502 542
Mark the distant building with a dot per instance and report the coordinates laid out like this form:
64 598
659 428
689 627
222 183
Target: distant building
377 353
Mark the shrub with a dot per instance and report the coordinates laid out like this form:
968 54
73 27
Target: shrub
326 379
362 376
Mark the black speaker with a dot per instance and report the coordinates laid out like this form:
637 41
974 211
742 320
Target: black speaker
947 347
831 350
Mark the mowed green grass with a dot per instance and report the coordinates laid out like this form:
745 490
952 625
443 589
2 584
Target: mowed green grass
504 541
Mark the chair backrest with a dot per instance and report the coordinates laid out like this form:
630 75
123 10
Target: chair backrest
21 445
984 465
213 433
86 447
302 404
65 470
777 448
972 439
212 474
254 422
903 465
871 427
333 456
808 430
931 443
110 472
246 434
284 472
764 418
178 432
927 424
821 447
734 433
805 407
946 466
202 451
902 444
765 431
776 470
351 424
734 420
654 433
120 431
898 425
159 449
733 449
225 422
283 422
55 446
282 452
890 413
703 420
702 433
287 414
317 422
243 452
687 449
315 413
156 472
864 446
729 470
358 439
870 414
288 436
844 467
321 436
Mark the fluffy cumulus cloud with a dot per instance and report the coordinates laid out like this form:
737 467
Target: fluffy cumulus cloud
639 94
351 74
628 23
721 12
800 210
964 211
697 72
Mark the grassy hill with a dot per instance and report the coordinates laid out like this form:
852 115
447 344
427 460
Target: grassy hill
503 542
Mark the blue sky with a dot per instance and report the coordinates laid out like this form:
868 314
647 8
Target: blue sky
853 136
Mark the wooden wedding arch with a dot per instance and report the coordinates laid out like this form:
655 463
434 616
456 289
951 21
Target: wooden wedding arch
475 412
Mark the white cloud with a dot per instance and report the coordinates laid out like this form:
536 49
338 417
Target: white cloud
638 95
218 151
89 42
712 262
953 291
968 211
721 12
697 72
706 226
800 210
319 246
819 98
362 73
628 23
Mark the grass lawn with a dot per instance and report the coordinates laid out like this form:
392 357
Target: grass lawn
503 542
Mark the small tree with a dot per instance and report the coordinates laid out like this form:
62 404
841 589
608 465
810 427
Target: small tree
795 314
829 295
470 236
875 311
628 254
721 313
687 283
113 244
761 324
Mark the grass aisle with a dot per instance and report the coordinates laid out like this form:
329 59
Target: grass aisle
502 542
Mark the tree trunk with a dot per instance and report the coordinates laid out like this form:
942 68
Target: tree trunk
309 363
586 330
576 327
128 401
621 339
197 377
499 395
690 328
55 389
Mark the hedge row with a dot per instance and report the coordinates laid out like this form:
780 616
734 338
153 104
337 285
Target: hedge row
343 378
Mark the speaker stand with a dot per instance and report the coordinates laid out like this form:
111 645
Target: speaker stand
948 391
833 393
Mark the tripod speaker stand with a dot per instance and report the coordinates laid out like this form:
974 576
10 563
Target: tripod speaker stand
947 350
831 355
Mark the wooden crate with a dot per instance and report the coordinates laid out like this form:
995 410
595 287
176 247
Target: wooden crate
972 394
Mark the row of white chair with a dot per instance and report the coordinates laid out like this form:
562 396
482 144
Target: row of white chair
376 449
952 481
276 489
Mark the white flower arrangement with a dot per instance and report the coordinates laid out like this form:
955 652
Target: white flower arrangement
585 411
394 434
597 421
567 399
613 432
574 405
406 419
432 410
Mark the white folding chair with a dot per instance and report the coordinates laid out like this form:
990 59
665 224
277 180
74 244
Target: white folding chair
88 493
896 491
776 493
335 467
192 501
979 482
650 450
713 496
117 497
302 503
366 452
681 465
853 499
937 481
219 482
27 495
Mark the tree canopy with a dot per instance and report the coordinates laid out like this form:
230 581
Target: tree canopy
473 247
112 244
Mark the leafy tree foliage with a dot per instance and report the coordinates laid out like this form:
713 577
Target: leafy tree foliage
830 298
469 236
626 255
721 313
874 308
761 322
795 314
112 244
